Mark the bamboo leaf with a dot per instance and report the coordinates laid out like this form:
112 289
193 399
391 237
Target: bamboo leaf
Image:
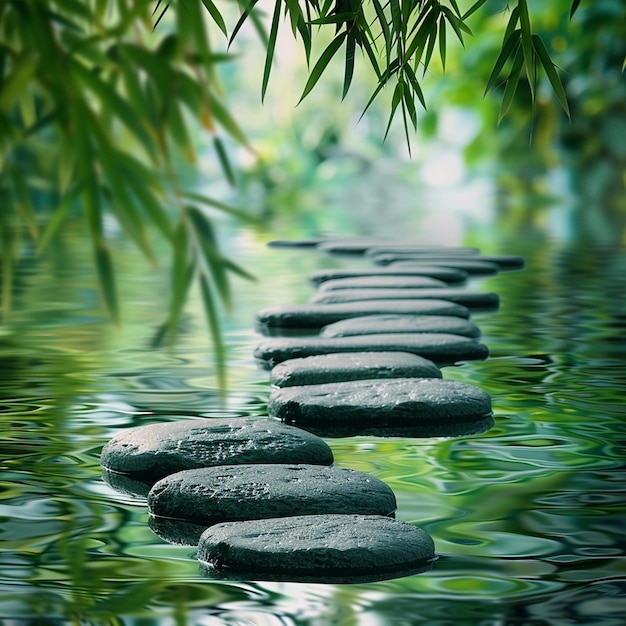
408 71
335 18
513 20
457 25
322 63
442 42
384 26
244 16
269 56
14 85
182 273
511 85
222 156
59 215
395 101
221 206
216 334
227 121
216 15
106 279
527 45
473 9
237 269
551 73
508 49
349 67
574 8
432 38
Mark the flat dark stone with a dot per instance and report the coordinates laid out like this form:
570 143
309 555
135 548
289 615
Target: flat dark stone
448 275
473 300
318 315
441 348
148 453
295 243
361 246
377 324
503 261
316 548
382 282
464 251
211 495
325 368
416 407
469 265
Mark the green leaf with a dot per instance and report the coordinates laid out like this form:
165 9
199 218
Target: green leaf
25 202
244 16
408 71
349 67
335 18
106 279
237 269
216 334
508 50
511 85
322 63
527 45
182 273
216 15
395 101
442 42
384 26
222 156
551 73
473 9
15 83
456 24
512 23
269 56
221 206
59 215
574 8
227 121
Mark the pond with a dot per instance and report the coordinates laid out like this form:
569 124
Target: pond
527 518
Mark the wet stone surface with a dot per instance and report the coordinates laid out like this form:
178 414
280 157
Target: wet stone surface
241 492
441 348
382 282
447 275
318 315
472 267
416 407
316 548
383 324
473 300
351 366
147 453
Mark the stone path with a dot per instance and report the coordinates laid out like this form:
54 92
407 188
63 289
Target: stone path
260 497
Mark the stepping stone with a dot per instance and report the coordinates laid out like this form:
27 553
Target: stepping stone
318 315
441 348
148 453
400 249
211 495
474 267
327 368
476 300
382 282
446 274
411 407
473 300
295 243
377 324
363 246
503 261
316 548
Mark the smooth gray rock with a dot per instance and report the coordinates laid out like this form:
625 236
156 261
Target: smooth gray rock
327 368
211 495
400 249
364 245
382 282
417 407
148 453
316 548
441 348
377 324
473 300
469 265
503 261
448 275
318 315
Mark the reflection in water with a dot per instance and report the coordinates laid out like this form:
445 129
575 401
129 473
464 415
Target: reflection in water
527 518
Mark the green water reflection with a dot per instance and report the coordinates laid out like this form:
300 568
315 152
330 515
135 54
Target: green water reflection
528 518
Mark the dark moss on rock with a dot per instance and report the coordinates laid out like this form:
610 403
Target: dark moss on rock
239 492
473 300
383 324
441 348
317 315
316 548
326 368
409 406
148 453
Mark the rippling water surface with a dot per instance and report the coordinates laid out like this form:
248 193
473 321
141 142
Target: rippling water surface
528 518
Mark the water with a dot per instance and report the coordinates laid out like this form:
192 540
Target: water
528 518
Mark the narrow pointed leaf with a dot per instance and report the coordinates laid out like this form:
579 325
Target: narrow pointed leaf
349 67
527 45
106 279
511 85
244 16
181 276
473 9
269 56
222 156
442 42
222 206
551 73
215 330
322 63
508 50
574 8
216 15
